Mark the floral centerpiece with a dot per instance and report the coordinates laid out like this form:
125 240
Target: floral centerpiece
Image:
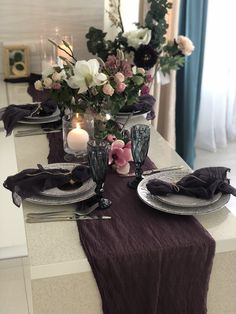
100 88
146 46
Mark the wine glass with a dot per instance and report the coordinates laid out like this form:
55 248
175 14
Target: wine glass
98 162
140 137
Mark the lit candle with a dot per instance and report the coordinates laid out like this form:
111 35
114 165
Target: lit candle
61 53
77 139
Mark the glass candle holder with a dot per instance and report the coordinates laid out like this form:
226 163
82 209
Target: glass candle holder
77 129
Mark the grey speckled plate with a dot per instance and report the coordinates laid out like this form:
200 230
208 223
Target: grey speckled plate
56 192
154 202
46 200
181 200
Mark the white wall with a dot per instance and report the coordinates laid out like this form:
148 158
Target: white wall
24 21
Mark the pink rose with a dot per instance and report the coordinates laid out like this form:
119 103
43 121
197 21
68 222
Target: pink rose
149 78
110 138
56 85
108 90
56 76
120 87
119 77
145 90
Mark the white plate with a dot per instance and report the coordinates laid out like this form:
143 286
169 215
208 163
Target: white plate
37 118
45 200
181 200
153 202
56 192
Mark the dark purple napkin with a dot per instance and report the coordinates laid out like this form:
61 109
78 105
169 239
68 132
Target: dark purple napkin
15 113
202 183
31 182
145 104
28 79
145 261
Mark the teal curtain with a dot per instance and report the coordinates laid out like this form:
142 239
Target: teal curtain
193 15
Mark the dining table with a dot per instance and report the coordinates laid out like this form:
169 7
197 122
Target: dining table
60 277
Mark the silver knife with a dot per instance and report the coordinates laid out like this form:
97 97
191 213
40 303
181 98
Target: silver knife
66 218
21 134
148 172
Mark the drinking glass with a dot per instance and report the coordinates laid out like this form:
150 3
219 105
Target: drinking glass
140 137
98 162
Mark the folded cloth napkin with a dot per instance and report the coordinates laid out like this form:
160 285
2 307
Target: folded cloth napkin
202 183
145 103
15 113
31 182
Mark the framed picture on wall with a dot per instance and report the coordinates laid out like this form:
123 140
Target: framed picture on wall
16 61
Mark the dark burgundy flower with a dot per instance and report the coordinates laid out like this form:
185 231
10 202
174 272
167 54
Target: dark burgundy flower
145 57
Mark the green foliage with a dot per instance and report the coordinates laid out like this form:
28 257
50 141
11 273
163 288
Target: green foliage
155 20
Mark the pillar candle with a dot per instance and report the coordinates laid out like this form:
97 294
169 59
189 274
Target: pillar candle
77 139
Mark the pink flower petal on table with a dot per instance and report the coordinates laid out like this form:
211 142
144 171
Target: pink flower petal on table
128 145
118 143
127 154
116 155
124 169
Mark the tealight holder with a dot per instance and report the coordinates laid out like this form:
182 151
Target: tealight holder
77 129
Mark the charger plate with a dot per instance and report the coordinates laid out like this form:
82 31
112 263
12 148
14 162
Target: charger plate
56 192
42 121
154 202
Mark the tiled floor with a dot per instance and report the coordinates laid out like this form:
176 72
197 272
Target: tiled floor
223 157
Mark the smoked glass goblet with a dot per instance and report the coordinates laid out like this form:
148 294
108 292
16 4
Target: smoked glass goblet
98 162
140 137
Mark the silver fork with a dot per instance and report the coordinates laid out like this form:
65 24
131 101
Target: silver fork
82 212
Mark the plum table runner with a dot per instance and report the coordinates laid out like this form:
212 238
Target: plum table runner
144 261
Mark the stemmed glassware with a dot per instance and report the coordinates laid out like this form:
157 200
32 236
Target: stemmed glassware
140 137
98 162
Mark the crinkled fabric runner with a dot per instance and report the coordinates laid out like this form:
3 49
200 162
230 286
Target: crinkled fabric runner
145 261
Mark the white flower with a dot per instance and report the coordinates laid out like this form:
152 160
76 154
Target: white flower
47 82
86 75
38 85
185 45
141 36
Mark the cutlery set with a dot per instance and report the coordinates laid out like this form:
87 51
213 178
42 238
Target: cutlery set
37 131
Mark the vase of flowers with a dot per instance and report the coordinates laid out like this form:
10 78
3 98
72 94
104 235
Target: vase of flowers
145 47
96 87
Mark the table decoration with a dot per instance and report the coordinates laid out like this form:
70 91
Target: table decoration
140 137
119 156
142 252
98 162
97 88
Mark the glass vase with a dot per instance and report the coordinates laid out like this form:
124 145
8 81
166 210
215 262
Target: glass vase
77 129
